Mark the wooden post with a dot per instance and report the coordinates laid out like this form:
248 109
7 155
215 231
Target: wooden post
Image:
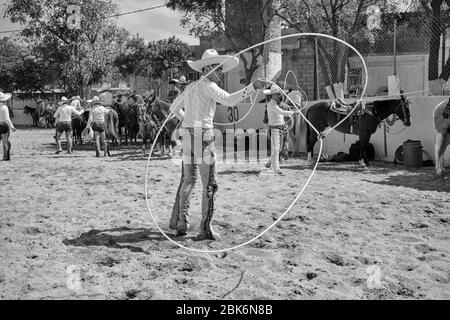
395 47
316 69
444 35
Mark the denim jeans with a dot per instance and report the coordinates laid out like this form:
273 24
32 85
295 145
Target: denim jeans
198 157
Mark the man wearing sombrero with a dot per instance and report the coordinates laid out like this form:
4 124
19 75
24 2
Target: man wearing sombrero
6 125
63 117
199 103
96 119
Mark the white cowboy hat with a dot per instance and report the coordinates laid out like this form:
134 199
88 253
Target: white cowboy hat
5 96
94 100
182 80
64 100
75 98
211 57
273 90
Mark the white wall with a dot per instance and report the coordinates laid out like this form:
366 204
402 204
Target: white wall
411 69
422 128
21 118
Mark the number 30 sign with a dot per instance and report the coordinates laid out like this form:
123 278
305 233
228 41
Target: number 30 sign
74 17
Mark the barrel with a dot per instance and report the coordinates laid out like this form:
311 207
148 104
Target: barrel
412 153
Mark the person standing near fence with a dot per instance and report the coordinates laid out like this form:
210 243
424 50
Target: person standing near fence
6 126
276 125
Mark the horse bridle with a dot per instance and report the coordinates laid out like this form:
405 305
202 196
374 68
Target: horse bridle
403 104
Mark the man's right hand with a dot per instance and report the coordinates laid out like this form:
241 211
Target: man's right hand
262 84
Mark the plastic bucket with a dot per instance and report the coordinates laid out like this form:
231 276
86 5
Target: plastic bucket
412 154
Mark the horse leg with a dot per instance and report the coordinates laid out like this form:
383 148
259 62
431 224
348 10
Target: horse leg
364 140
439 149
311 139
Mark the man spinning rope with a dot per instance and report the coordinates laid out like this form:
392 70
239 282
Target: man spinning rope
5 125
199 103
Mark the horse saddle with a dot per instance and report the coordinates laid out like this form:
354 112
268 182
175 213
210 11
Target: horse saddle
343 107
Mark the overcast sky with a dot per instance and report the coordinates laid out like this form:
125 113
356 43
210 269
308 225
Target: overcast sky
152 25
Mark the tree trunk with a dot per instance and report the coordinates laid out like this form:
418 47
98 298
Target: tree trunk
433 62
271 66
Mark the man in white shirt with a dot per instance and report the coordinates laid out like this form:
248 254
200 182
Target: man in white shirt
97 121
63 119
276 125
5 125
199 103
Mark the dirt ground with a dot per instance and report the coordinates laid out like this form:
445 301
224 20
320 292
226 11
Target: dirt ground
77 227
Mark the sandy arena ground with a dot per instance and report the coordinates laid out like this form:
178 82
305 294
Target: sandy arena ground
65 218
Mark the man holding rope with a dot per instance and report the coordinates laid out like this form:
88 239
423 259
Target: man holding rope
6 126
199 103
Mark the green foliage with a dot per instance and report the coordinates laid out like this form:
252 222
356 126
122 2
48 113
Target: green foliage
82 55
167 54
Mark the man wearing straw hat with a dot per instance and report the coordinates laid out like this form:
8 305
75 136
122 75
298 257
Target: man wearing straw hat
178 88
6 125
276 125
63 117
97 120
199 103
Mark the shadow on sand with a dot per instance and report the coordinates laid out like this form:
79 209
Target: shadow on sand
128 235
421 181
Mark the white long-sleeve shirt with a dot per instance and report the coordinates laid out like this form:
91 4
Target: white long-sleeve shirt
97 114
64 113
276 114
199 102
4 115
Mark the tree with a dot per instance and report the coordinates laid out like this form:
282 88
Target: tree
243 23
341 19
135 59
440 21
20 68
83 54
167 54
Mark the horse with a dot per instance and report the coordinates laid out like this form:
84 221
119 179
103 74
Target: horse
161 111
441 115
33 113
78 125
112 126
48 116
321 116
132 116
147 126
121 107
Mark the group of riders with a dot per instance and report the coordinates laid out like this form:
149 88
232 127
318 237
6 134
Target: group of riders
131 115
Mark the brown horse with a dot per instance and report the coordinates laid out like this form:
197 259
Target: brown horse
441 114
33 113
161 111
321 116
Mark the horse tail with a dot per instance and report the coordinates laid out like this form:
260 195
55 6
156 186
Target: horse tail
308 132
